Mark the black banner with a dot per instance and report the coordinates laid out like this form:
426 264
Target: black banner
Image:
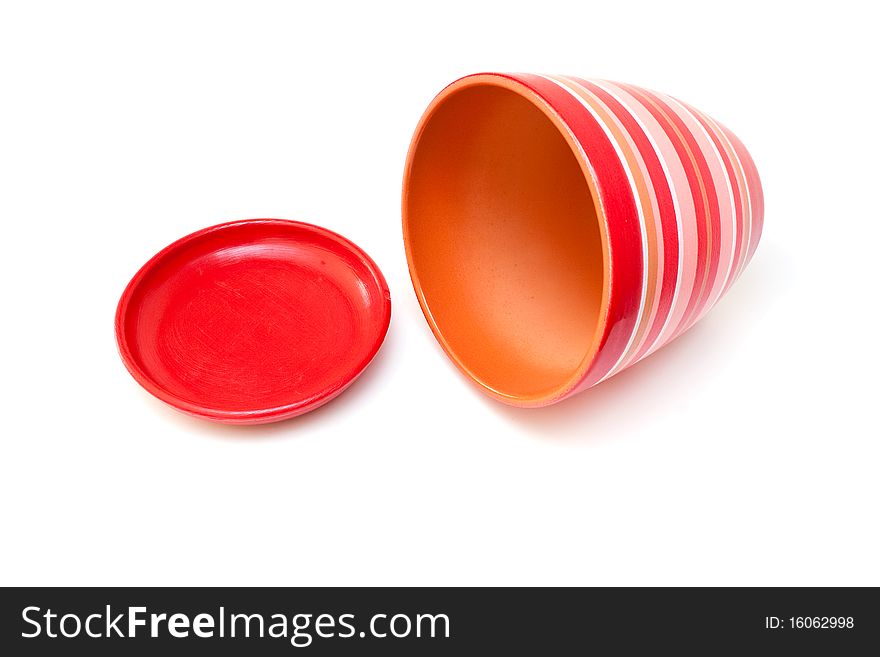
419 621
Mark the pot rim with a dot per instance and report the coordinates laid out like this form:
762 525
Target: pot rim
573 383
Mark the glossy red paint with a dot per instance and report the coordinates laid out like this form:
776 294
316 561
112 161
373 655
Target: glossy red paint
253 321
666 118
624 240
665 204
730 170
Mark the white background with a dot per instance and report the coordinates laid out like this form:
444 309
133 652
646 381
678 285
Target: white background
744 453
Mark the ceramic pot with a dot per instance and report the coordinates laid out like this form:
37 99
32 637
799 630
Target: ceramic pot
559 230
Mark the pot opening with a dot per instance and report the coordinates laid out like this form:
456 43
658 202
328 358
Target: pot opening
503 240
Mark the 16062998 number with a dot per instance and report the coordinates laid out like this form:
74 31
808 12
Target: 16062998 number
821 622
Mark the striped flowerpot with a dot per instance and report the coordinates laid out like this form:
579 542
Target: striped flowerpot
558 230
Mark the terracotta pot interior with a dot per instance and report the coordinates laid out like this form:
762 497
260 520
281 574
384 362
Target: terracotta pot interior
504 241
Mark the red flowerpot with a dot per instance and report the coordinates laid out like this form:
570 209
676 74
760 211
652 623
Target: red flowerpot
558 230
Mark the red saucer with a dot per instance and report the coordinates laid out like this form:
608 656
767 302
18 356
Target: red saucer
253 321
